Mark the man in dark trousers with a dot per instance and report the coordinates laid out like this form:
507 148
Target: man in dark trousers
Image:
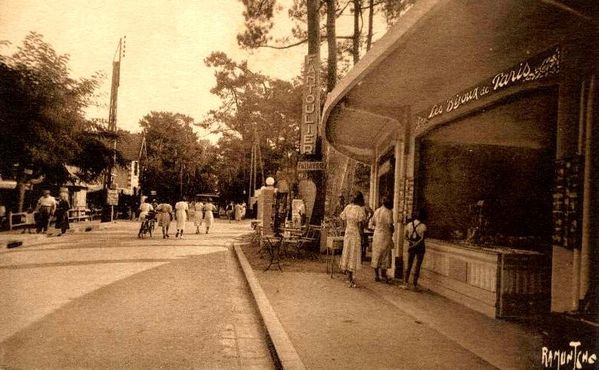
414 233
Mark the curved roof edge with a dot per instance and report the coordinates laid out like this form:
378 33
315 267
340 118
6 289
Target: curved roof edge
376 55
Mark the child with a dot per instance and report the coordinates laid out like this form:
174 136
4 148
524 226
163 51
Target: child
29 221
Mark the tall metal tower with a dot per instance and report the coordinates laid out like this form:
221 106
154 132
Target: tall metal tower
114 92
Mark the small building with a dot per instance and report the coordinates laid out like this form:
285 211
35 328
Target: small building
483 113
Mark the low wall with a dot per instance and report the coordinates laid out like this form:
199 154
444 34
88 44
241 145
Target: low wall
498 282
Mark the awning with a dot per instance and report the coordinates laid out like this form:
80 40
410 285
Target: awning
439 48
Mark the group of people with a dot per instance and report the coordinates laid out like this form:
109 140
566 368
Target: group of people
235 211
48 207
165 213
356 217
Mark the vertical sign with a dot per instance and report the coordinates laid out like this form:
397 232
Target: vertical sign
310 106
566 203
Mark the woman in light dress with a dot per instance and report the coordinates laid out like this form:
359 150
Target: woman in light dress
382 240
209 208
351 257
181 213
198 215
165 216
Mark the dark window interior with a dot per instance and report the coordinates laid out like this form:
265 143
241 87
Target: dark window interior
487 179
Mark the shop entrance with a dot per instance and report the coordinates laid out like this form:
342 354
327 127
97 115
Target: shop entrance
487 178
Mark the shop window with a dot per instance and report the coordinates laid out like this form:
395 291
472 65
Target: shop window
487 179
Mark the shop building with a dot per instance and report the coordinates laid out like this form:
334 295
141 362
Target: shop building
483 114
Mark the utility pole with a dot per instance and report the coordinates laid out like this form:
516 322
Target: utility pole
112 118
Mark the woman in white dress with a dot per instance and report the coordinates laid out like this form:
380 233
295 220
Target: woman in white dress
351 257
382 240
181 213
198 215
165 216
209 208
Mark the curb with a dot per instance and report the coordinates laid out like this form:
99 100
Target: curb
283 348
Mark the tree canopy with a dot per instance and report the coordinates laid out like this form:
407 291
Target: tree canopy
42 116
177 163
254 107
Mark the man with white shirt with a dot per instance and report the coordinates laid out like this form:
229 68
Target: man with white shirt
46 206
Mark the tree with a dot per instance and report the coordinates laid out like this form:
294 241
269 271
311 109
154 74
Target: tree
259 22
254 108
177 163
259 15
42 117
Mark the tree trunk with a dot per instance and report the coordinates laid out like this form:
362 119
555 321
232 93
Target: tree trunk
21 188
356 37
332 46
370 24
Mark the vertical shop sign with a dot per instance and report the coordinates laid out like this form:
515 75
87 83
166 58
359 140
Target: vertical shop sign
408 206
310 106
566 207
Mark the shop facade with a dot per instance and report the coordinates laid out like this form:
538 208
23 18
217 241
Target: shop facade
482 114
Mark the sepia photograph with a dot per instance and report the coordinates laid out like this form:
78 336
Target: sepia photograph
299 184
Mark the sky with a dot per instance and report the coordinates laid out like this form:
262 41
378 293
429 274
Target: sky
166 43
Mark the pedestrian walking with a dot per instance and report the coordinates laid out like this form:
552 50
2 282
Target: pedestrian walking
351 257
209 209
414 233
181 214
62 213
198 215
382 240
165 216
237 211
46 206
243 210
229 211
144 210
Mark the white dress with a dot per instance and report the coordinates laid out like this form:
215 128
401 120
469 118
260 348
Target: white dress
198 215
208 215
382 240
351 257
181 214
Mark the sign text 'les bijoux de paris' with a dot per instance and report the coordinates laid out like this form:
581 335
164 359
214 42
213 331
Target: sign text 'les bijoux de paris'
310 106
536 68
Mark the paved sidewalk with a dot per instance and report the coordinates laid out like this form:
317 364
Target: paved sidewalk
26 239
382 326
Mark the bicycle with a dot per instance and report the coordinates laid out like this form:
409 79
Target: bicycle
147 227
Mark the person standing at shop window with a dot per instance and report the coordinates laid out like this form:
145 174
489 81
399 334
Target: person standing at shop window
46 206
414 233
382 240
354 217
